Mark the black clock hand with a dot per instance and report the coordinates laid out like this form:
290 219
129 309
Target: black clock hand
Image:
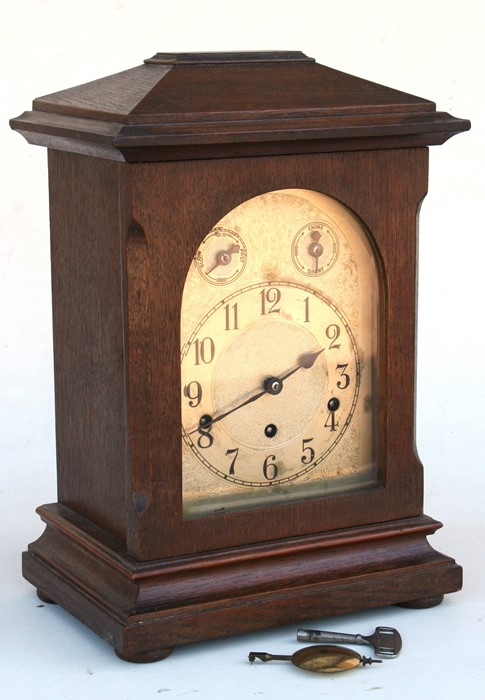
305 361
272 385
207 421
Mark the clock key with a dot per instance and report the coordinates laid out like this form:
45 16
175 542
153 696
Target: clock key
385 640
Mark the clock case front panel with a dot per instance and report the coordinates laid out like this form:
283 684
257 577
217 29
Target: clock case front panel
142 165
142 361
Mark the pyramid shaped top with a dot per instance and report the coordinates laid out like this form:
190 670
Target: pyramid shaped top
223 104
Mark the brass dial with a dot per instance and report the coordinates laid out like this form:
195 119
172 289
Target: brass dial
279 355
273 379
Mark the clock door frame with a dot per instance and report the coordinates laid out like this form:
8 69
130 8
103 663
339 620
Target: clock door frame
385 189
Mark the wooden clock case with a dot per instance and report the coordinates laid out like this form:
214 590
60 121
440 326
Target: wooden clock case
142 165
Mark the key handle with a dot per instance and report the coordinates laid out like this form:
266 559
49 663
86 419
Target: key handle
386 641
321 658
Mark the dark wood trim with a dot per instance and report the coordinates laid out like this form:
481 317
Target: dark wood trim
231 57
193 105
229 140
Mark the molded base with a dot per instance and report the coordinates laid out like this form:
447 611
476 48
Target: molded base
145 609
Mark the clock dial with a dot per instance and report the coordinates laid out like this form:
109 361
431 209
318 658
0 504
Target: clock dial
278 366
274 380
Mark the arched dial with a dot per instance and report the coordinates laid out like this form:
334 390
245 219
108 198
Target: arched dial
279 356
271 381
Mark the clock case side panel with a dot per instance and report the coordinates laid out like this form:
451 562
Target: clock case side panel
177 204
89 347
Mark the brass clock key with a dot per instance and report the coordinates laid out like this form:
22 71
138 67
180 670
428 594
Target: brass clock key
321 658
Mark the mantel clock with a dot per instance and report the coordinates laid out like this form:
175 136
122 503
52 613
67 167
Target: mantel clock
233 280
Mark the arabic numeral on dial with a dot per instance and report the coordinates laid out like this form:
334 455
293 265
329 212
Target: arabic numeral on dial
193 392
205 350
231 317
270 469
333 333
205 439
331 421
269 299
308 452
307 310
234 452
345 381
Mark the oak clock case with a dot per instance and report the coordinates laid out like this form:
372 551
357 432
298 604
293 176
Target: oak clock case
233 246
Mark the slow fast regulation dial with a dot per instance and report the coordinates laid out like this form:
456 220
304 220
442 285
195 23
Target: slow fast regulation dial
221 257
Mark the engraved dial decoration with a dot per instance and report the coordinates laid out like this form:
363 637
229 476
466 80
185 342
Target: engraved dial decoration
279 356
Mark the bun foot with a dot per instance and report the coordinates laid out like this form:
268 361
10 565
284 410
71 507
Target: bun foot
422 603
146 657
44 598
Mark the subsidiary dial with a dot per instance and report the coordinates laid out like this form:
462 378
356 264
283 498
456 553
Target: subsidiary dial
221 257
315 248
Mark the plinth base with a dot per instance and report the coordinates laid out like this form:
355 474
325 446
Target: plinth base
145 609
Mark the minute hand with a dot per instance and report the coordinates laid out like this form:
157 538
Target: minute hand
272 385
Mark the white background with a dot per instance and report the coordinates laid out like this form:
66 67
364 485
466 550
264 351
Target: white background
431 48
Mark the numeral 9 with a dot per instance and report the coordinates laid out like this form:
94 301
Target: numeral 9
193 391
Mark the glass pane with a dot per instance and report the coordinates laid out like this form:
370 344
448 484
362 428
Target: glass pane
279 356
